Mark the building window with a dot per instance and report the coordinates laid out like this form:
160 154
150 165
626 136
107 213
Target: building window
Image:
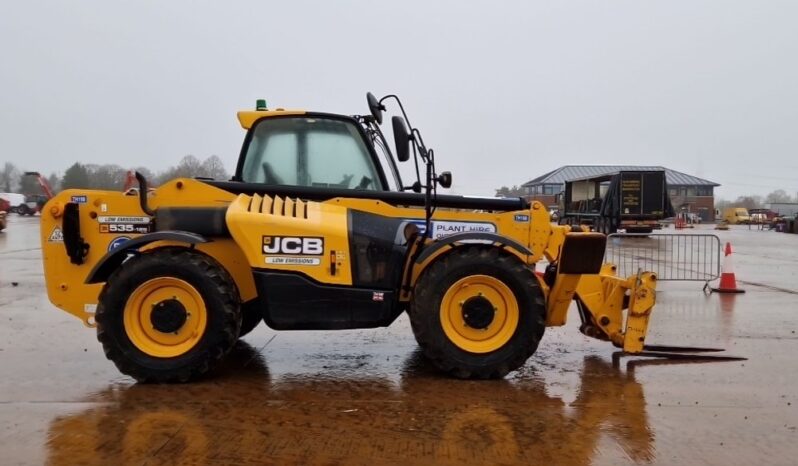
673 191
703 191
691 191
551 189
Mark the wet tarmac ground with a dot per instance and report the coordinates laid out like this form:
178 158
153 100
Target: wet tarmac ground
368 397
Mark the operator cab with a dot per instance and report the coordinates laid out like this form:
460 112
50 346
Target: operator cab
315 150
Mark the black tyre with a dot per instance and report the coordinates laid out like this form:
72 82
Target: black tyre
251 317
168 315
478 312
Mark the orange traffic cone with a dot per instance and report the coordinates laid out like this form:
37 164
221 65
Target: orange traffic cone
728 282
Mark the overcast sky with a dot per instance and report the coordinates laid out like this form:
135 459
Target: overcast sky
504 91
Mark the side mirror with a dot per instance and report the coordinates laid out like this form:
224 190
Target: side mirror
445 180
375 107
401 138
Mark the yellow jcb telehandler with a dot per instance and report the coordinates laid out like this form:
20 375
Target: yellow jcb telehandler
317 231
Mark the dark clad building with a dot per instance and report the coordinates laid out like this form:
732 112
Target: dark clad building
688 192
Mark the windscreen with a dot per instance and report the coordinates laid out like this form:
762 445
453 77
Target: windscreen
315 152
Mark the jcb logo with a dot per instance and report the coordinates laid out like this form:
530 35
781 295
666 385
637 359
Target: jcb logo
300 245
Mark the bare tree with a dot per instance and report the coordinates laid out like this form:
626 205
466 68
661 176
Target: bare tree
213 167
515 191
778 195
54 182
749 202
9 177
190 167
111 177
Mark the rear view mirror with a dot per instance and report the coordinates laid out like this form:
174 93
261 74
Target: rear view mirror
445 180
401 138
375 107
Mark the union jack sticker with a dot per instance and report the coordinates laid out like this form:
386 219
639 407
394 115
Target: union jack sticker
378 296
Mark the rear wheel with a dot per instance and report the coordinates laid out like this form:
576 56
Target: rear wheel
168 315
478 313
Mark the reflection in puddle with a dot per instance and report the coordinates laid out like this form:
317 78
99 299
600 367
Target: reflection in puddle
245 416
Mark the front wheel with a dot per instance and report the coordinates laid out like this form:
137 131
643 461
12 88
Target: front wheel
478 313
168 315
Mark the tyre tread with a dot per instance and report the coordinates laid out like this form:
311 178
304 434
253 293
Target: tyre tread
430 340
224 287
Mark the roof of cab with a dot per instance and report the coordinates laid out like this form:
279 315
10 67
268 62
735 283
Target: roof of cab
247 118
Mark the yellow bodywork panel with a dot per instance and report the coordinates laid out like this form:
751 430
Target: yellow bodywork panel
559 299
286 235
247 118
103 211
641 302
605 297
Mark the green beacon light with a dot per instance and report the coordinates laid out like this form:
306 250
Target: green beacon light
260 105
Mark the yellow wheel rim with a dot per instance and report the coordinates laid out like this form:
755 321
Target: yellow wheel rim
492 333
138 317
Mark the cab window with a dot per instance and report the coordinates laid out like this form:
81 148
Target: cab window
315 152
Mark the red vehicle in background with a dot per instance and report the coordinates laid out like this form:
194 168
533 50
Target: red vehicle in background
762 216
5 206
35 202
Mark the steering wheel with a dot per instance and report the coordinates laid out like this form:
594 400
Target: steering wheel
365 182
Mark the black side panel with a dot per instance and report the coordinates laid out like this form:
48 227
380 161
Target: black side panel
632 193
205 221
377 248
611 207
294 302
451 240
582 253
654 193
394 198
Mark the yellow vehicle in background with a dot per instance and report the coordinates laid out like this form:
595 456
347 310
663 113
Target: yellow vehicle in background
736 216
